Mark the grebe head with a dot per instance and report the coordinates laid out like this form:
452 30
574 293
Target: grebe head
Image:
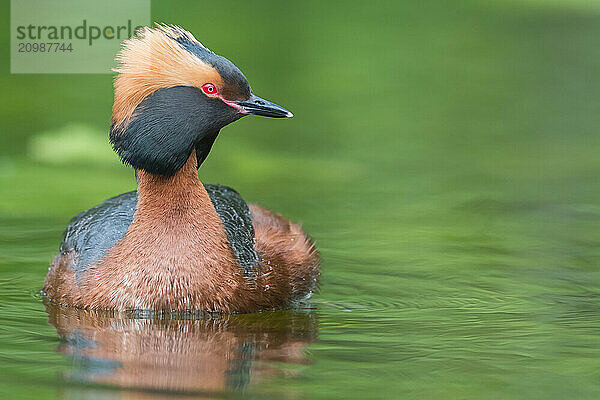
173 95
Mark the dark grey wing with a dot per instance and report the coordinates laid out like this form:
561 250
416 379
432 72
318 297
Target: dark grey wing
236 217
92 233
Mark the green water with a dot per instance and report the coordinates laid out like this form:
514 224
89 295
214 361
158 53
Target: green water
443 156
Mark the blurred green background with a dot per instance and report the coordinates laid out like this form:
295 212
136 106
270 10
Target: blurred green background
444 156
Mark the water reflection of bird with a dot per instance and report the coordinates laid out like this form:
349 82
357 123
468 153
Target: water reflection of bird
211 354
176 244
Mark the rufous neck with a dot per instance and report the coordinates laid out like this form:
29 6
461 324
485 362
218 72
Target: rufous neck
183 188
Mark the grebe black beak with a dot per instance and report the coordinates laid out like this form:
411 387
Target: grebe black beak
258 106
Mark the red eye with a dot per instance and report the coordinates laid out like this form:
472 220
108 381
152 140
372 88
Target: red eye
209 89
